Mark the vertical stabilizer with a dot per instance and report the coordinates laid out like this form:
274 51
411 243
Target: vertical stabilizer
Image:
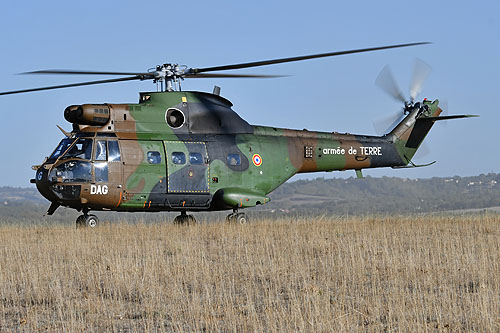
412 130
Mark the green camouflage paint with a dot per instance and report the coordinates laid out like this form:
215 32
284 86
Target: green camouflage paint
214 160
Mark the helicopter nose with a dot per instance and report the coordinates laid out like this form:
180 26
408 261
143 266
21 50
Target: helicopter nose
41 175
43 184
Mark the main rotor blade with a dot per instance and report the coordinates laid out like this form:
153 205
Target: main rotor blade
420 72
88 83
64 71
312 56
218 75
385 81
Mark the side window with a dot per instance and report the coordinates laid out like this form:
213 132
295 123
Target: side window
178 157
195 158
154 157
233 159
113 151
101 172
100 151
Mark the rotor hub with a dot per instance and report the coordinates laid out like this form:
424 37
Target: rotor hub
170 74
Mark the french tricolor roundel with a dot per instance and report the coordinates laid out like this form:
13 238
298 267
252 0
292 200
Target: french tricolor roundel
256 159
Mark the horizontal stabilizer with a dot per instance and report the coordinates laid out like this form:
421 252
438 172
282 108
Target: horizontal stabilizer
458 116
424 124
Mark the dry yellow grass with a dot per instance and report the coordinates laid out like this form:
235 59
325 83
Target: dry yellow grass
393 273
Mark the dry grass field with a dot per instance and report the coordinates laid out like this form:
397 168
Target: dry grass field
355 274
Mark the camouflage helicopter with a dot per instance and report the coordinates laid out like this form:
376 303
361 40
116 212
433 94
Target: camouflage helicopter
188 151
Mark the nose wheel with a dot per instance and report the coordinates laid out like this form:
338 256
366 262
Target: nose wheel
87 221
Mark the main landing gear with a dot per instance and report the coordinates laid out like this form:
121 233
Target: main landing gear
87 221
184 219
235 217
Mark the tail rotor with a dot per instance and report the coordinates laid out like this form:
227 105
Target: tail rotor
385 81
420 73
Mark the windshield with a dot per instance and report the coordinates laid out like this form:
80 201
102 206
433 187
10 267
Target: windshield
81 149
72 171
61 148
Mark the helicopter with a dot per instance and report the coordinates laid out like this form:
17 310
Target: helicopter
189 151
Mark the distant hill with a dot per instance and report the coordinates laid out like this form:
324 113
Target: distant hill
386 195
19 196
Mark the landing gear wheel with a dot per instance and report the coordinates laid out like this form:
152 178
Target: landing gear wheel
241 218
91 221
184 219
84 221
80 221
231 218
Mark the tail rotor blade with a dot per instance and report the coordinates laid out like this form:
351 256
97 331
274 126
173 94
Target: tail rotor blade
420 72
385 81
443 104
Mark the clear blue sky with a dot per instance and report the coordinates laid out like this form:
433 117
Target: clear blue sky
334 94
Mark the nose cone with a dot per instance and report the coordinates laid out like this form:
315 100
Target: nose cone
44 185
58 189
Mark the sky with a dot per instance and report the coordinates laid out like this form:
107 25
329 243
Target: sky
330 94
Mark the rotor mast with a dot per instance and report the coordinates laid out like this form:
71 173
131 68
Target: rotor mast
168 77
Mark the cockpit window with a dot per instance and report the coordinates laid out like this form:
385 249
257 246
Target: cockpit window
61 148
100 151
81 149
72 172
101 172
113 151
84 134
